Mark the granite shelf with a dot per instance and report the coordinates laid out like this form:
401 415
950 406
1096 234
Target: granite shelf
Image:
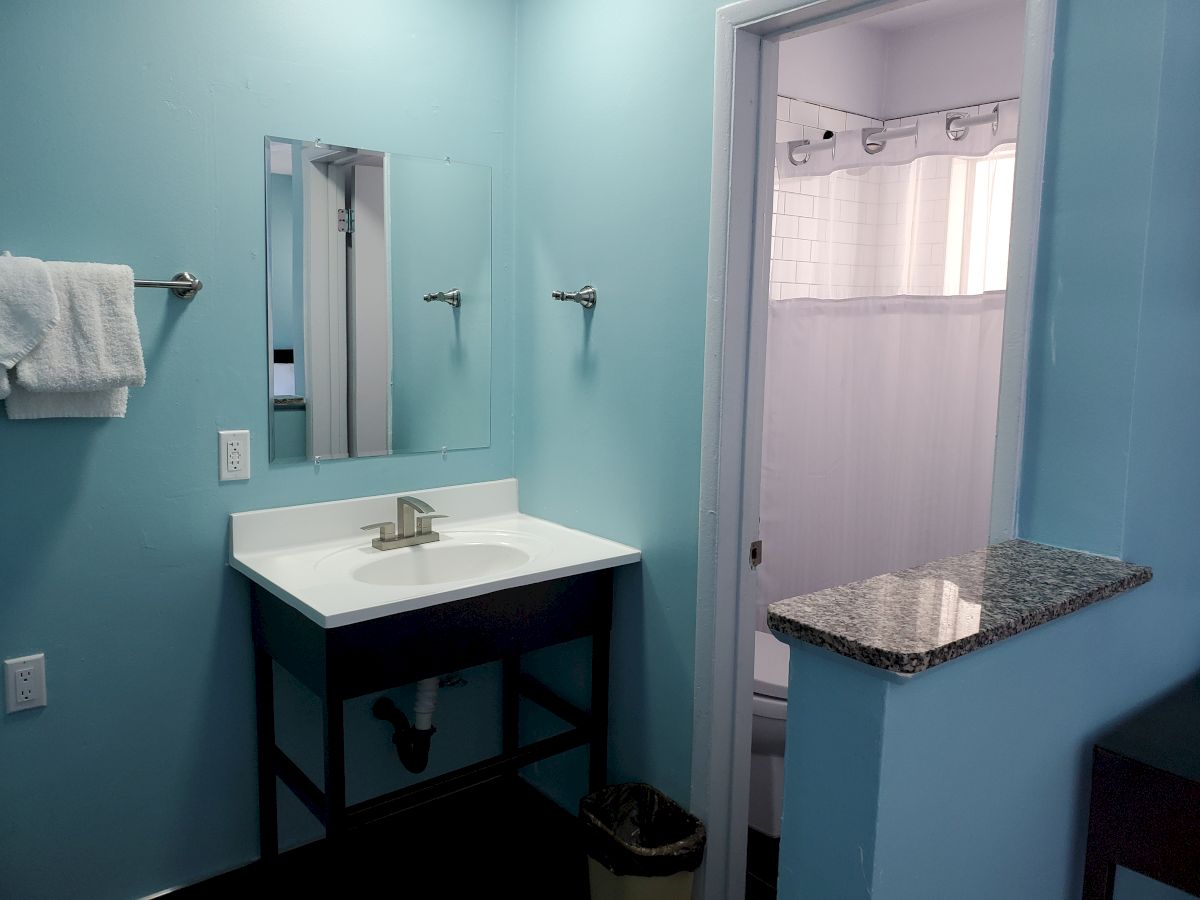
910 621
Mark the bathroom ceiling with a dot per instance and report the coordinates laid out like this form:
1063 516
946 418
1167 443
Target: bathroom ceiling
932 11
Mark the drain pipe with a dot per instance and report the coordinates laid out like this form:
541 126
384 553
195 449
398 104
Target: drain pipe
412 741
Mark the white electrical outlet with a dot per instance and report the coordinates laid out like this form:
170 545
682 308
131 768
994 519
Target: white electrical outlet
233 455
25 682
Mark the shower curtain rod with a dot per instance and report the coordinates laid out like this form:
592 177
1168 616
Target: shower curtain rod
875 139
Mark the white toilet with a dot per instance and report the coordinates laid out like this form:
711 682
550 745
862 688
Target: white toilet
767 740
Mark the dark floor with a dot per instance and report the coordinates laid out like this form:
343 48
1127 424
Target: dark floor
762 866
502 837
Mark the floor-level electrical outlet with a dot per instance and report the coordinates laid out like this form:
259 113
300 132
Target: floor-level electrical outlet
25 682
233 455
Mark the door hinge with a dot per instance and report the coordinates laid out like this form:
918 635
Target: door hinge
345 220
755 554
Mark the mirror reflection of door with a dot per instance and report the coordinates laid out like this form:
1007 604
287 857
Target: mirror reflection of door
346 302
362 363
367 312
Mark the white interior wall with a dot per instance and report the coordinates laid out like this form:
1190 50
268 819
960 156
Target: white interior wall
967 59
944 62
841 67
807 260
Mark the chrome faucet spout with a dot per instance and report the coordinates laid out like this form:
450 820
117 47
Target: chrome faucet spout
415 502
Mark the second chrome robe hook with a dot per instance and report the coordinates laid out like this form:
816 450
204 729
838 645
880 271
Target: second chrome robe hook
585 296
454 297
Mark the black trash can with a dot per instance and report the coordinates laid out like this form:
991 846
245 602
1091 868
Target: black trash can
641 844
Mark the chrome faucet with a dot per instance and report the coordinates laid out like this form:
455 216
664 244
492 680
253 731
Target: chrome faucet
412 525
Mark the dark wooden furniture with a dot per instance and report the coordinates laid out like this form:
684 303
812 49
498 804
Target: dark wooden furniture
348 661
1145 805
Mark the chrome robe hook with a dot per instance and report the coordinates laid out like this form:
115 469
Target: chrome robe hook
585 296
453 297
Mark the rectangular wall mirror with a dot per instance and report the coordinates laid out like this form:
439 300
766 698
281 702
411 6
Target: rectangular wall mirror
379 276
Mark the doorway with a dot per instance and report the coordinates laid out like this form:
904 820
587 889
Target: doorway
868 308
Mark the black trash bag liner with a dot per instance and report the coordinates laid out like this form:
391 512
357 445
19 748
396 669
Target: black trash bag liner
634 829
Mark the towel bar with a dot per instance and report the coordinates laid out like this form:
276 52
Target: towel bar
184 285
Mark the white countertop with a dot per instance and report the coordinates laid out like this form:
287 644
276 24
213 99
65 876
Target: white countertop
308 555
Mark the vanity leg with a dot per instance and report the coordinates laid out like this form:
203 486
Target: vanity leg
598 748
510 703
264 695
335 766
1099 877
1107 825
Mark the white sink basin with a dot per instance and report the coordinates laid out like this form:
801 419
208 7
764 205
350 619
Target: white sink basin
457 558
315 558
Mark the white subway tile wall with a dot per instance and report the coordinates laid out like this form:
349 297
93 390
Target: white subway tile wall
840 235
823 228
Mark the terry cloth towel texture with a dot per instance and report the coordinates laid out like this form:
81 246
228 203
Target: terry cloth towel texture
85 364
28 306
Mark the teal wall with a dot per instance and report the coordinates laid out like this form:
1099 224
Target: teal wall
1110 464
280 224
140 125
440 235
289 432
1090 280
614 131
140 773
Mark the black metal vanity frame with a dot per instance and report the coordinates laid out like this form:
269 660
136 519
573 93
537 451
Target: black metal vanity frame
349 661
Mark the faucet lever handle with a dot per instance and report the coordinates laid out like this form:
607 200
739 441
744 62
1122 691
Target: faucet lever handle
423 519
387 530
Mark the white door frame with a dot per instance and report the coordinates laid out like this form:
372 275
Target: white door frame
735 349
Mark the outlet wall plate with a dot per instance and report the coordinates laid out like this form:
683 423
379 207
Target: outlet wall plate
25 682
233 455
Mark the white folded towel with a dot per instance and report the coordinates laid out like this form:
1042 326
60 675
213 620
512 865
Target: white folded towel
95 346
110 404
5 385
28 306
84 366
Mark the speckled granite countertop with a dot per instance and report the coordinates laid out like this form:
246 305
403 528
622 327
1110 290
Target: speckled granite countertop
913 620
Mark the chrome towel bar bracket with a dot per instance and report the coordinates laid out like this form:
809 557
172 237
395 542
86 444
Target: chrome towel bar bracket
184 285
585 296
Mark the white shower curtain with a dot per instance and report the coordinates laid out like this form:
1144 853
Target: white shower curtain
878 438
883 355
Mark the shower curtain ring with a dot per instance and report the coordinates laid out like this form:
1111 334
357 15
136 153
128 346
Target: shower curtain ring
954 130
793 146
870 143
